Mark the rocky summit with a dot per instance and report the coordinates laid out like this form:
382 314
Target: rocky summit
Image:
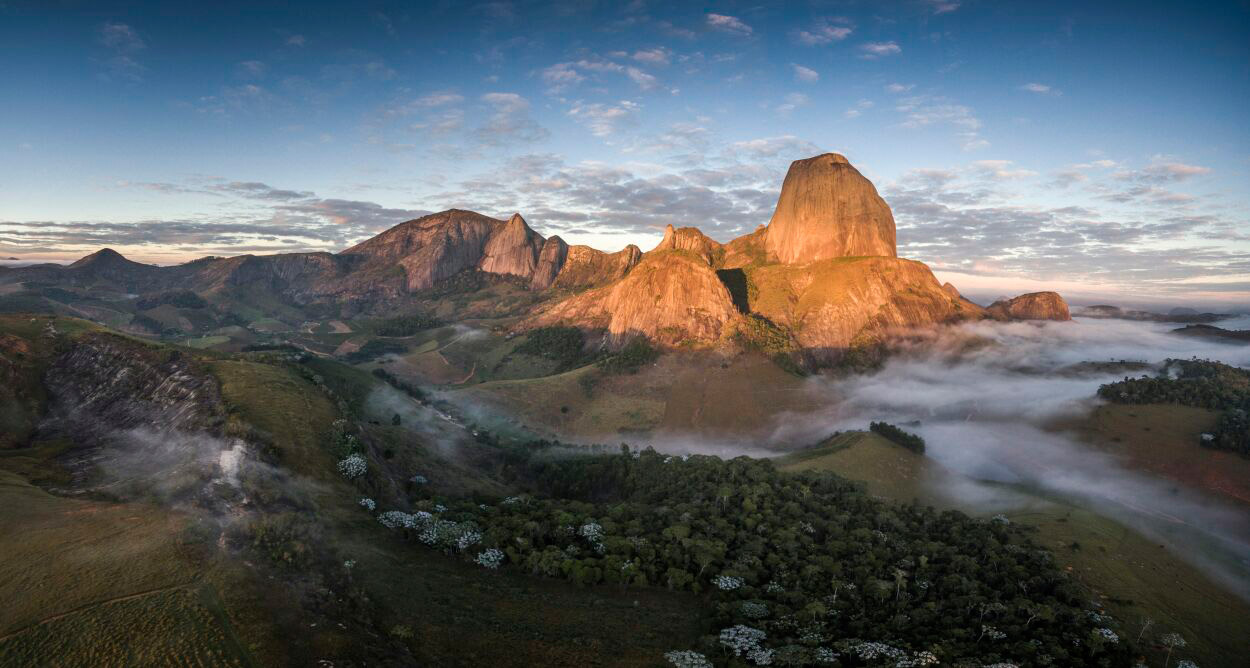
828 209
1031 306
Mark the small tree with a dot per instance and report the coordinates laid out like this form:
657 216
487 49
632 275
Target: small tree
1172 641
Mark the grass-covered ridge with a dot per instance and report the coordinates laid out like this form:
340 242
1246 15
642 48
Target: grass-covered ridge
1200 384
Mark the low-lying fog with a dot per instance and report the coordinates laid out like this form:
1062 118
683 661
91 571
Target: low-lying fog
982 395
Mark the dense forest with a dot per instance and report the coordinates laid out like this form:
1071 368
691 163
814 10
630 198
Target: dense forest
799 569
906 439
1198 383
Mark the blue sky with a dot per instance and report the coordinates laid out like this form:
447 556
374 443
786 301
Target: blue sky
1099 150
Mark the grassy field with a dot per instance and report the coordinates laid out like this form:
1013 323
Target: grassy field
1133 577
287 408
92 583
1163 439
696 392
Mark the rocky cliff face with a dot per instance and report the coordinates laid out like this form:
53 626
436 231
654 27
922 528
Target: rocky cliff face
831 305
670 297
110 380
512 249
586 267
689 239
827 209
550 261
1032 306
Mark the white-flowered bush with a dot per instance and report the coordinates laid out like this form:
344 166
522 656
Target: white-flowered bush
353 466
349 564
918 659
489 558
1186 663
741 639
992 633
1107 635
727 582
824 655
687 659
591 531
760 656
877 650
511 500
368 504
774 588
418 479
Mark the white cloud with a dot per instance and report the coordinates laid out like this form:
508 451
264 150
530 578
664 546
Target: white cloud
252 69
120 37
1000 170
899 88
804 73
858 109
603 120
296 40
772 147
1040 89
510 121
824 32
943 6
438 99
561 76
657 56
874 50
728 24
792 101
644 80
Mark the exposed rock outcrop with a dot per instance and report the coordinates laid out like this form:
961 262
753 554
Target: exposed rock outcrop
1031 306
689 239
586 267
827 209
833 304
512 250
550 260
670 297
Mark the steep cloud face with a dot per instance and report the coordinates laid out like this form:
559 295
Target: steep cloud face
827 209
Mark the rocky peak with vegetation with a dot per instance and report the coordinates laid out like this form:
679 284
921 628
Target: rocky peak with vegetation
1031 306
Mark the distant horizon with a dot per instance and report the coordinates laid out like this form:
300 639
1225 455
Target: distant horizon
1012 148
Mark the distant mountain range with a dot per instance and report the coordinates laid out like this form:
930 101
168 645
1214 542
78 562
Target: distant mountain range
821 277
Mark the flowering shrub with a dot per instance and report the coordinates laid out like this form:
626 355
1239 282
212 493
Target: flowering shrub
741 639
687 659
761 656
727 582
418 479
353 466
877 650
825 655
368 504
591 532
490 558
1107 635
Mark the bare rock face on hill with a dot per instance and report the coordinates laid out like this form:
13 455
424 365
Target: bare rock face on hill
550 260
832 305
586 267
827 209
670 297
441 245
689 239
1032 306
512 249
